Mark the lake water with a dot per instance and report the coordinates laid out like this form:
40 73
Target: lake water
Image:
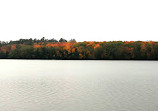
52 85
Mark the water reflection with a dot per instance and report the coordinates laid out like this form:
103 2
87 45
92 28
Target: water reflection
78 85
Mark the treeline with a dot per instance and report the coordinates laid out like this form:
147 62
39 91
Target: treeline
72 50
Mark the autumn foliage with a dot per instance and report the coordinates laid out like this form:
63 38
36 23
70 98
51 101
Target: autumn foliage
72 50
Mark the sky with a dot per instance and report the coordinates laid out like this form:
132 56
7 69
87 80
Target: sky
83 20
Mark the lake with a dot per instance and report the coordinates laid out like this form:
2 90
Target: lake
62 85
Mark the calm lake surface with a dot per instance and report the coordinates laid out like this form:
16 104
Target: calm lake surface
52 85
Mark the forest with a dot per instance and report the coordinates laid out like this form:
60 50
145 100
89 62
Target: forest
72 50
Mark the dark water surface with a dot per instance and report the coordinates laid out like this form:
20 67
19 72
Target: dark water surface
52 85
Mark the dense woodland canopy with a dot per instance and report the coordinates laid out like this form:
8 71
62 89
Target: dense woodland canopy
72 50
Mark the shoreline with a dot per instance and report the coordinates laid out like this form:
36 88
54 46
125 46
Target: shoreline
80 59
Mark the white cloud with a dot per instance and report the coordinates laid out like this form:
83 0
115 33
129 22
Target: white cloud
98 20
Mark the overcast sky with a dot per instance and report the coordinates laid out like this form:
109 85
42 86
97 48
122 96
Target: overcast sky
84 20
